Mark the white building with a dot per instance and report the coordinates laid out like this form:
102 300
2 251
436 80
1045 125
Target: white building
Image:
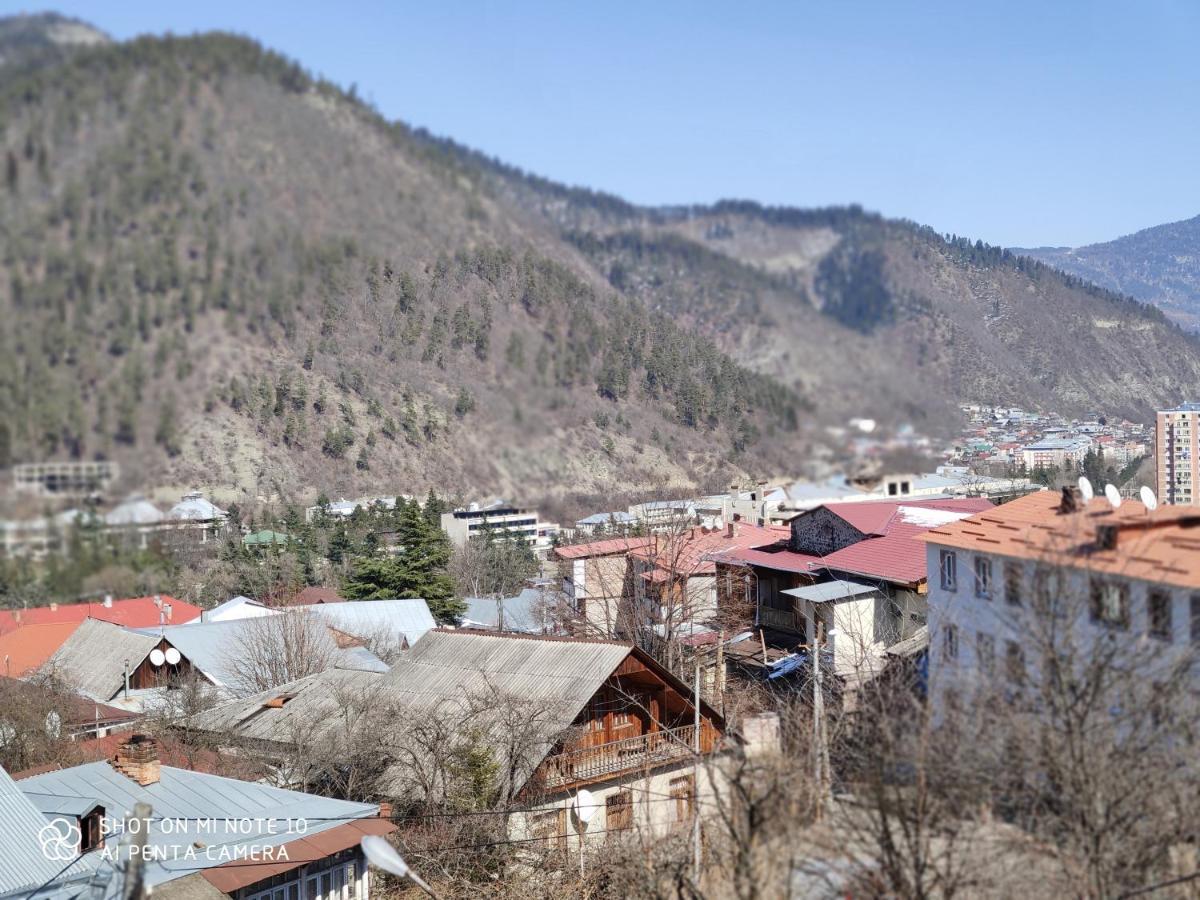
999 580
502 519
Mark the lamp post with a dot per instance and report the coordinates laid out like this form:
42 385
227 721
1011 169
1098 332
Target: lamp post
383 855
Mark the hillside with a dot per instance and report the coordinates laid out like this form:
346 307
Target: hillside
1159 265
226 273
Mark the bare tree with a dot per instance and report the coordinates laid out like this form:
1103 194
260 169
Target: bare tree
273 650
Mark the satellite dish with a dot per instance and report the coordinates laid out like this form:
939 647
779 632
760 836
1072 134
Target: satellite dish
1113 495
172 656
1148 499
1086 489
584 806
157 657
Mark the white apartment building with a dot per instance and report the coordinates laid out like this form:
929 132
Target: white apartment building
1177 454
503 520
998 579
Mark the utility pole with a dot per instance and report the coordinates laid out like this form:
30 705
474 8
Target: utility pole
820 742
135 887
696 782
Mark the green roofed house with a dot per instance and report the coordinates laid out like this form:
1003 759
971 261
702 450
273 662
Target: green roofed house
264 538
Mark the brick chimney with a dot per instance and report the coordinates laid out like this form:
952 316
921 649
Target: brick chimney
137 758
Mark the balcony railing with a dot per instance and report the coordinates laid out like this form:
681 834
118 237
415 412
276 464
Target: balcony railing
628 754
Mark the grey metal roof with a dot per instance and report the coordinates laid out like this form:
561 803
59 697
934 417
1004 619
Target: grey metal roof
831 591
23 865
92 659
196 507
215 647
445 671
524 612
134 511
408 618
311 712
242 813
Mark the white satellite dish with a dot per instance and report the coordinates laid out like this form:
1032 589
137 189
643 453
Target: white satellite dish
1086 489
584 806
157 657
172 656
1113 496
1148 499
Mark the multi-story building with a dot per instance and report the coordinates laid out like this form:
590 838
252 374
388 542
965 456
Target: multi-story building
1050 567
1055 452
1177 455
502 519
596 580
65 479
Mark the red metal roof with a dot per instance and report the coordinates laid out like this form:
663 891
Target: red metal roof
137 612
602 548
28 647
695 551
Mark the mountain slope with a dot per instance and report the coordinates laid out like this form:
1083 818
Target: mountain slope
226 273
1159 265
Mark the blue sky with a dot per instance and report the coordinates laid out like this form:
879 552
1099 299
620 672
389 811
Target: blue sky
1019 123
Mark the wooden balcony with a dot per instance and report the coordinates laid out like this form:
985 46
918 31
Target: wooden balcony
603 761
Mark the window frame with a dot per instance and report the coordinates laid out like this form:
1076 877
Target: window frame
950 641
618 811
1099 603
982 570
682 790
1162 630
948 570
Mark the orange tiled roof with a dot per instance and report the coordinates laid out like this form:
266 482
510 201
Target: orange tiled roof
1159 546
27 647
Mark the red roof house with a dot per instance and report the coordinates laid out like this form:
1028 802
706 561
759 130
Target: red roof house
137 612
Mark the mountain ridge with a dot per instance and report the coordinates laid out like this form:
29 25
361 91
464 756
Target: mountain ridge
202 240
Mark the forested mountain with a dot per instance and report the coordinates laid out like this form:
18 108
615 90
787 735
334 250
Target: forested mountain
1159 265
229 274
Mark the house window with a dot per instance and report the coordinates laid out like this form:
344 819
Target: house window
1013 576
683 792
1158 605
91 836
618 811
983 577
1195 601
1110 603
905 488
985 652
548 830
1014 662
950 641
949 568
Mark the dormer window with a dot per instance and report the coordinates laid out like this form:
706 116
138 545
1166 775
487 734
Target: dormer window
91 834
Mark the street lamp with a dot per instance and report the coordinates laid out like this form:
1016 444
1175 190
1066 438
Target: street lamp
384 856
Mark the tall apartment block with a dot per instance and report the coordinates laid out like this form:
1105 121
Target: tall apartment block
1176 454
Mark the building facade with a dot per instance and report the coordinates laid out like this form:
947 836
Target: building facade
1177 454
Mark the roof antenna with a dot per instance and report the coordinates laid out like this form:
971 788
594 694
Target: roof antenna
1148 499
1113 496
1085 489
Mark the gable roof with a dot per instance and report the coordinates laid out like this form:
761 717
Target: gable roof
605 547
408 617
180 797
553 676
92 660
524 612
23 864
312 595
1160 546
136 612
697 550
75 711
893 552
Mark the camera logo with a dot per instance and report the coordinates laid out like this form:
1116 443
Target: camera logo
60 840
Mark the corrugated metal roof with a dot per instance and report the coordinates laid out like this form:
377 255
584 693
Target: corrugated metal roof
244 812
831 591
92 660
134 511
407 617
23 865
525 612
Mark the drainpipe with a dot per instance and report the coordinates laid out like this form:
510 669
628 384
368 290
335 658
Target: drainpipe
126 679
